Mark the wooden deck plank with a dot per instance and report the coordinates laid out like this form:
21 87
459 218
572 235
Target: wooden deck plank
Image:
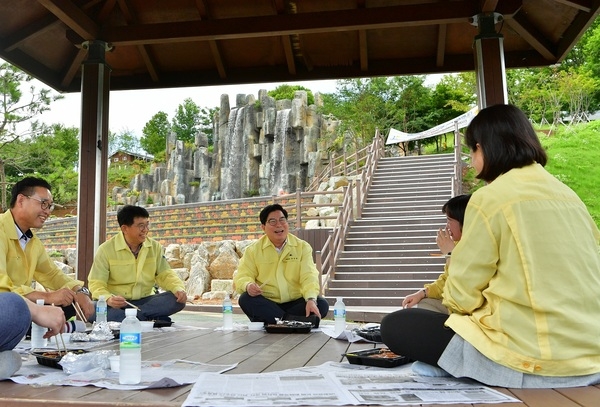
544 398
300 354
585 396
254 352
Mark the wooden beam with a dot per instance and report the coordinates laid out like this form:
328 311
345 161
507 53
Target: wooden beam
576 29
74 67
142 49
489 6
441 44
521 25
582 5
38 27
73 17
302 23
215 50
363 50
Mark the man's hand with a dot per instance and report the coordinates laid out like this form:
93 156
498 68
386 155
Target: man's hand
86 304
311 308
116 301
253 290
62 297
47 316
181 297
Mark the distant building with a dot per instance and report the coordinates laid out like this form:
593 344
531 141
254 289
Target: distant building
123 157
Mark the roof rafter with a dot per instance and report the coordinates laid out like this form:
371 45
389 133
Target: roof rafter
303 23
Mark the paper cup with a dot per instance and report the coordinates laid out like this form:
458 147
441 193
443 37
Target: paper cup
114 363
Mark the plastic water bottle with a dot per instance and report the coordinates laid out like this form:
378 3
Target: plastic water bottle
37 332
101 309
339 315
227 314
130 347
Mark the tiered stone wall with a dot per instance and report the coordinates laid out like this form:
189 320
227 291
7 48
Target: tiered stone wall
180 224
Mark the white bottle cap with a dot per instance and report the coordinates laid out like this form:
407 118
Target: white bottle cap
102 298
39 301
340 299
130 312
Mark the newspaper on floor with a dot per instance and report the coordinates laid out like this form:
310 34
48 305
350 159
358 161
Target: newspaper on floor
337 384
171 373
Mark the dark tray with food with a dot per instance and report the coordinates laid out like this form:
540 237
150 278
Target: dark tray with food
50 358
379 357
289 327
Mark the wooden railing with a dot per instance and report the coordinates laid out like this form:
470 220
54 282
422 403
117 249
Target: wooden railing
354 195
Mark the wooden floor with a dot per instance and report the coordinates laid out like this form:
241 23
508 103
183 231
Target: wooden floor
254 352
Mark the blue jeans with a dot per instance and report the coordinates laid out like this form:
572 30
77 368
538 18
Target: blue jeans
15 320
153 308
261 309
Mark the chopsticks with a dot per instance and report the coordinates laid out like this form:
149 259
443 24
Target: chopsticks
79 312
132 306
61 338
63 343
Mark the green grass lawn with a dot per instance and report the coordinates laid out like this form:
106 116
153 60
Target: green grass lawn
573 158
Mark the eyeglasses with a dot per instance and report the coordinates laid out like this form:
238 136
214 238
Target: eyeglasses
143 226
274 222
44 203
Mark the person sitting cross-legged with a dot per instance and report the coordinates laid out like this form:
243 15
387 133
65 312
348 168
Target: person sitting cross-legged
277 277
128 266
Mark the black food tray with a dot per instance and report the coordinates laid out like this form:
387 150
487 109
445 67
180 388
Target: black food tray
52 361
379 357
289 327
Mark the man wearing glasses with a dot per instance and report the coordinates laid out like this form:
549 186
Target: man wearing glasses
277 277
127 267
23 258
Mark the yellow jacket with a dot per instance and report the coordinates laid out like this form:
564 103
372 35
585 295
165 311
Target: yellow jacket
436 289
18 268
524 279
116 271
288 277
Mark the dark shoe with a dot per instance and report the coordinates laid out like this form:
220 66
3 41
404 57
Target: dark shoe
312 318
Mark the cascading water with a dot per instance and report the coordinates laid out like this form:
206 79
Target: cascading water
277 160
234 156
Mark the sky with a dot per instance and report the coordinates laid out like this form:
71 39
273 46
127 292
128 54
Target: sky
131 110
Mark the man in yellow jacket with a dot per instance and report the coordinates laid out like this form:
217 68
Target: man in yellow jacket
23 258
277 277
128 266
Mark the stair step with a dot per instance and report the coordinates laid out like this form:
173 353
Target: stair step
390 252
370 284
372 293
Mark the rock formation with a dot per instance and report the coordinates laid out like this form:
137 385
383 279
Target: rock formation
260 148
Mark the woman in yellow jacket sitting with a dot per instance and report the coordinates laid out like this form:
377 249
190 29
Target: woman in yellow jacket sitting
523 284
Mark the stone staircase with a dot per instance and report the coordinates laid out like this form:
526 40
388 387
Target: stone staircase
391 252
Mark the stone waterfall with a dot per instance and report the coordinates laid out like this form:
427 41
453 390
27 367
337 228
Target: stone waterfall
260 147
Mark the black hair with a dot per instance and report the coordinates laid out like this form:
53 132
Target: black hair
507 140
128 213
264 214
455 208
27 187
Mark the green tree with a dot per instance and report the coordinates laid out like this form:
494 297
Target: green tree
126 141
206 123
155 133
15 114
287 92
186 122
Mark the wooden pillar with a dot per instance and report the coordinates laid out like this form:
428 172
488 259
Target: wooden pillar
93 156
489 61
